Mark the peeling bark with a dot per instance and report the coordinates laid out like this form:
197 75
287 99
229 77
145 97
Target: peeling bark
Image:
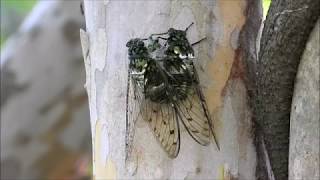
222 69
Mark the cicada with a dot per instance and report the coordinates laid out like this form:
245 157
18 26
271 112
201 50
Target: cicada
163 87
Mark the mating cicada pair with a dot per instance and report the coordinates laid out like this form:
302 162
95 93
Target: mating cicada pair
164 88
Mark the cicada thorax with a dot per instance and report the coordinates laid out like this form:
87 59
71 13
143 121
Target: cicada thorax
179 45
138 54
179 63
139 58
180 55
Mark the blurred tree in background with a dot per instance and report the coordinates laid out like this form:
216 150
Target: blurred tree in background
13 13
45 130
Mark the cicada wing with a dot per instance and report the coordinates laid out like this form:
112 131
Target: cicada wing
193 117
204 105
194 114
134 105
163 121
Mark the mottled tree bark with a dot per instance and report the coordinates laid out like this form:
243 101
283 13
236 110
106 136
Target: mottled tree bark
285 33
231 29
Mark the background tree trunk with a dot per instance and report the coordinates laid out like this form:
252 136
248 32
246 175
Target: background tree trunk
304 159
287 28
222 63
45 126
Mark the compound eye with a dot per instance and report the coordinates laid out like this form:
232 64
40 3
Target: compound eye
129 43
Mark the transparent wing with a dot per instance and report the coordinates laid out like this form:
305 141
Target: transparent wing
134 106
194 114
163 121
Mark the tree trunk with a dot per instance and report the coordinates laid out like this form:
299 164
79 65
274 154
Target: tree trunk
44 113
304 159
231 29
285 33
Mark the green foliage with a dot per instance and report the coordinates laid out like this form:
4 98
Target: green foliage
21 9
266 5
22 6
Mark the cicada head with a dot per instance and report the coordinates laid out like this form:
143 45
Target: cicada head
138 54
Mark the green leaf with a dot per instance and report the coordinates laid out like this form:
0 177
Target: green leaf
23 6
266 5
